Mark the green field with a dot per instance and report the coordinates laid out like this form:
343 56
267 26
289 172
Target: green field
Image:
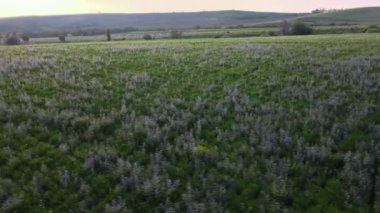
75 24
366 15
277 124
242 32
186 34
214 24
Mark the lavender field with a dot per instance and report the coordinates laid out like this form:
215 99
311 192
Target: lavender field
276 124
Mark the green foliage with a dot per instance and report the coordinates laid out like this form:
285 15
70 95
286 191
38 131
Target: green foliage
62 38
272 33
373 29
12 39
355 16
147 36
201 149
25 38
316 11
299 28
285 28
108 34
175 34
284 124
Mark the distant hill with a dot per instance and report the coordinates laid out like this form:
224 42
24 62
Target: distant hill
45 25
367 15
140 21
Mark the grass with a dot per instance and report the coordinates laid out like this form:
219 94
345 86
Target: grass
242 32
45 25
254 124
367 15
188 34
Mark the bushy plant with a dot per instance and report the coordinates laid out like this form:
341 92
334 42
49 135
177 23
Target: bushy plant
175 34
373 26
300 28
108 34
62 38
181 132
268 33
373 29
12 39
25 38
285 28
321 10
272 33
147 36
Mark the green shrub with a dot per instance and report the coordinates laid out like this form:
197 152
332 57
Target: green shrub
285 28
272 33
12 39
62 38
175 34
299 28
25 38
147 36
373 26
108 34
373 29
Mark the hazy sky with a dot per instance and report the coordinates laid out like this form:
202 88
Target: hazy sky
48 7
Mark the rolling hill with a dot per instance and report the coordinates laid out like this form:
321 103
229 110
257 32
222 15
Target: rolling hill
140 21
367 15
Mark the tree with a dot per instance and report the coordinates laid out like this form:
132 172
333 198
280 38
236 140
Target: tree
285 28
62 38
373 26
147 37
108 33
316 11
272 33
175 34
300 28
25 38
12 39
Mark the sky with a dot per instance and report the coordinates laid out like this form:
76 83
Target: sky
54 7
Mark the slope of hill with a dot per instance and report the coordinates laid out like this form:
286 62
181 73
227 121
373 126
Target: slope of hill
367 15
141 21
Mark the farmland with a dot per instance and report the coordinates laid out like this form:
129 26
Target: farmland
241 32
365 15
241 125
194 24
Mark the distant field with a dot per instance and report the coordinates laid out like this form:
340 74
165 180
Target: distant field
148 21
94 24
211 33
349 17
199 125
202 33
370 15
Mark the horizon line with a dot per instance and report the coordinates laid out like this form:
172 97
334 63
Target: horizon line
196 11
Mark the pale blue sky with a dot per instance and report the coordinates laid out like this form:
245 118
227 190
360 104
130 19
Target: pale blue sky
48 7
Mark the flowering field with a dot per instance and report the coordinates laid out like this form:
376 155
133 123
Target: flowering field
239 125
